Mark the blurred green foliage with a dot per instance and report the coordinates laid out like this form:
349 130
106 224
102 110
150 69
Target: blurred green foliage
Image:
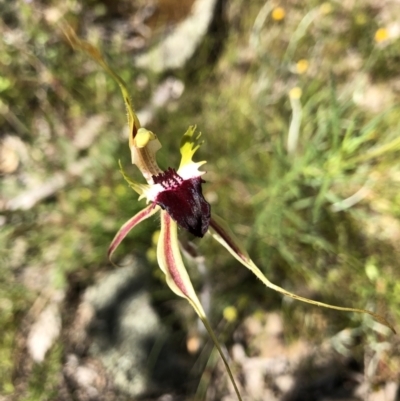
299 213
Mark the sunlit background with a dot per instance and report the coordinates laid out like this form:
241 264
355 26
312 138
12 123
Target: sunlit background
298 105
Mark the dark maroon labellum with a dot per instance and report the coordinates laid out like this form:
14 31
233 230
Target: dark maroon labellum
184 201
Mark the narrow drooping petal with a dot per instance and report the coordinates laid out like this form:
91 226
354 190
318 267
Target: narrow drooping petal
170 261
184 201
127 227
221 232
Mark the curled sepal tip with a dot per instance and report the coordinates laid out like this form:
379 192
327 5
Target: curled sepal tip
177 278
221 232
127 227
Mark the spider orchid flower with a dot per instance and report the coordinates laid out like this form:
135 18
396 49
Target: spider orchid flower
177 196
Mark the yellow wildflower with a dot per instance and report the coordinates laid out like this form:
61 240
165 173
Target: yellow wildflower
302 66
230 313
295 93
381 35
278 13
326 8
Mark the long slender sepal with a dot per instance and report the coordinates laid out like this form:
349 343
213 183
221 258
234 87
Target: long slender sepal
221 232
131 223
95 54
170 261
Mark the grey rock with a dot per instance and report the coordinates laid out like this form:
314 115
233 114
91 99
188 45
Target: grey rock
127 335
179 46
